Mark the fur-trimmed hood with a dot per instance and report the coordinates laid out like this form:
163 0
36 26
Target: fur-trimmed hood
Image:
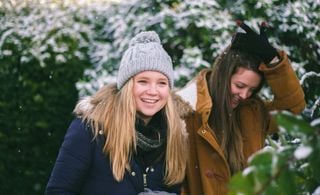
85 105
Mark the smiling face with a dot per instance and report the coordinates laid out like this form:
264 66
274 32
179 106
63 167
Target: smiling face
243 83
151 91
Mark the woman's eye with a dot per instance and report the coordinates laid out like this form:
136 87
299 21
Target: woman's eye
142 81
239 86
163 83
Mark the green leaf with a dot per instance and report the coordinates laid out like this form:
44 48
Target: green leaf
241 183
263 157
286 182
294 124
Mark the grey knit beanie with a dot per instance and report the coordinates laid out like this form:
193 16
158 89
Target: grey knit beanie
145 53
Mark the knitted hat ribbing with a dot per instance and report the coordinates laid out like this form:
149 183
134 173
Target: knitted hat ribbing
145 53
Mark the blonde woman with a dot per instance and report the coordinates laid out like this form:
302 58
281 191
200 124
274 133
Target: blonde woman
127 138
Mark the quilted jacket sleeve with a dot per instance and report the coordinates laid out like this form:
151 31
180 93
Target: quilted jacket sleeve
73 161
285 86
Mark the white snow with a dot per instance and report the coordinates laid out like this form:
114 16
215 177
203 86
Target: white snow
317 191
302 152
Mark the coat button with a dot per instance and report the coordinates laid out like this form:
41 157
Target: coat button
133 173
209 174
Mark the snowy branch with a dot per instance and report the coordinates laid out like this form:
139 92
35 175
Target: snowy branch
308 75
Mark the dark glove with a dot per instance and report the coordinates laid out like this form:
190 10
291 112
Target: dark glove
253 43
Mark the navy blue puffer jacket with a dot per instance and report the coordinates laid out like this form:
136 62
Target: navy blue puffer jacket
82 168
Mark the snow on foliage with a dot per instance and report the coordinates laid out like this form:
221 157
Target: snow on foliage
317 191
44 28
126 19
302 152
193 32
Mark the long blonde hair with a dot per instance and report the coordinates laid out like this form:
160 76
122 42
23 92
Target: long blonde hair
110 107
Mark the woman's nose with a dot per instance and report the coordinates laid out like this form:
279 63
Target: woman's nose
152 89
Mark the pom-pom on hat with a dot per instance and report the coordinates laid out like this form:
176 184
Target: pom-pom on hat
145 53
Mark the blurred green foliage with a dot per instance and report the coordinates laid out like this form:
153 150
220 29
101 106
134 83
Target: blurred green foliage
36 101
288 167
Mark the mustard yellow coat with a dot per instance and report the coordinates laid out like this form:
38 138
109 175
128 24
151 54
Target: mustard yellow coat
207 171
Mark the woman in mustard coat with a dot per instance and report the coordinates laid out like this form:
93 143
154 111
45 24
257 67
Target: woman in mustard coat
229 122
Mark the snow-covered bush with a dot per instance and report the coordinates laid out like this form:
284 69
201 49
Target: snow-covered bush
193 32
43 52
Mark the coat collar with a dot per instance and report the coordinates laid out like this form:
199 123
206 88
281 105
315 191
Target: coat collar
83 106
196 94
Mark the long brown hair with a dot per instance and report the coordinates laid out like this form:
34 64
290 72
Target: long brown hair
223 118
110 107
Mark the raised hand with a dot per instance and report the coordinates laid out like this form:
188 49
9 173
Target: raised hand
253 43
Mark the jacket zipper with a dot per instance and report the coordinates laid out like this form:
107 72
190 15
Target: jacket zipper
145 182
